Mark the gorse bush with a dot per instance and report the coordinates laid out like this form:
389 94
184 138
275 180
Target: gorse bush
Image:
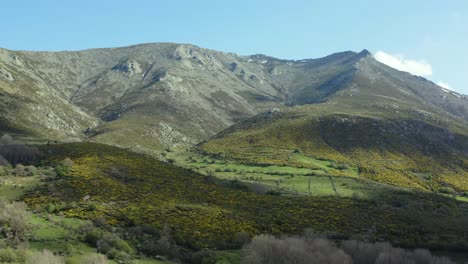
265 249
63 167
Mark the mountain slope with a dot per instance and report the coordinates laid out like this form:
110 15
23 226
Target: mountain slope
154 96
400 148
132 190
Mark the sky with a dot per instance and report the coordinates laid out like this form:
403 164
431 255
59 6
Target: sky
425 37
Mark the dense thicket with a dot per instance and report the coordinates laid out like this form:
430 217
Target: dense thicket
314 249
14 152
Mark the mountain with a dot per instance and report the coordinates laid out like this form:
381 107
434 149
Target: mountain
240 146
155 96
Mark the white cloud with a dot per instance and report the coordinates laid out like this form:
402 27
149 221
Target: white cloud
399 62
445 85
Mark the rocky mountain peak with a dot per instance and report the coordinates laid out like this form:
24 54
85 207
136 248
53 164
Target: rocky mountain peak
365 54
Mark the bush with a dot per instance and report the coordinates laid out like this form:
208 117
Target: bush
19 170
94 258
15 221
447 190
61 170
4 170
30 170
258 188
93 235
3 161
44 257
9 255
64 167
114 247
240 239
50 208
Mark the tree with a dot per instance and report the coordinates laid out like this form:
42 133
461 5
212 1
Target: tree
44 257
15 221
313 249
15 152
268 249
3 161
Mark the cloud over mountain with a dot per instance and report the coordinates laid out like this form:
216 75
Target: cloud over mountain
399 62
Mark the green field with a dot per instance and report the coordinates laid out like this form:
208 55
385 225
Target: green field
323 175
13 188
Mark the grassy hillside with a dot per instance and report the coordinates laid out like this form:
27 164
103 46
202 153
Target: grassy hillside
129 190
397 149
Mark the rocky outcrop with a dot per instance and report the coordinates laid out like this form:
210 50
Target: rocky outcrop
4 74
128 67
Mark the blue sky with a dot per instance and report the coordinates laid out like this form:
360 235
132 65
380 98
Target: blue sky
427 37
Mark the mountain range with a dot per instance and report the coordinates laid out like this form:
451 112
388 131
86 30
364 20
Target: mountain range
152 97
172 153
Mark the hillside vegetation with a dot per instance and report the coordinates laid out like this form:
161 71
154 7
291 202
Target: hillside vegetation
128 189
401 151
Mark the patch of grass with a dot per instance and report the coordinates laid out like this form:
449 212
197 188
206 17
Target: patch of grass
13 188
61 246
286 179
226 257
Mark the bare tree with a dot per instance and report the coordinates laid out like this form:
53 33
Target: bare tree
310 248
14 221
15 152
44 257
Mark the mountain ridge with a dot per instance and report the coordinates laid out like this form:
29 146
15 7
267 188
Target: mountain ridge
167 90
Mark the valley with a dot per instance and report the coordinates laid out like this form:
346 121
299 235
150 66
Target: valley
172 153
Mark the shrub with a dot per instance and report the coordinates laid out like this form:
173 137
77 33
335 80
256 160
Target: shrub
3 161
203 256
50 208
258 188
4 170
19 170
9 255
94 258
44 257
15 221
30 170
447 190
64 167
268 249
113 246
240 239
93 235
